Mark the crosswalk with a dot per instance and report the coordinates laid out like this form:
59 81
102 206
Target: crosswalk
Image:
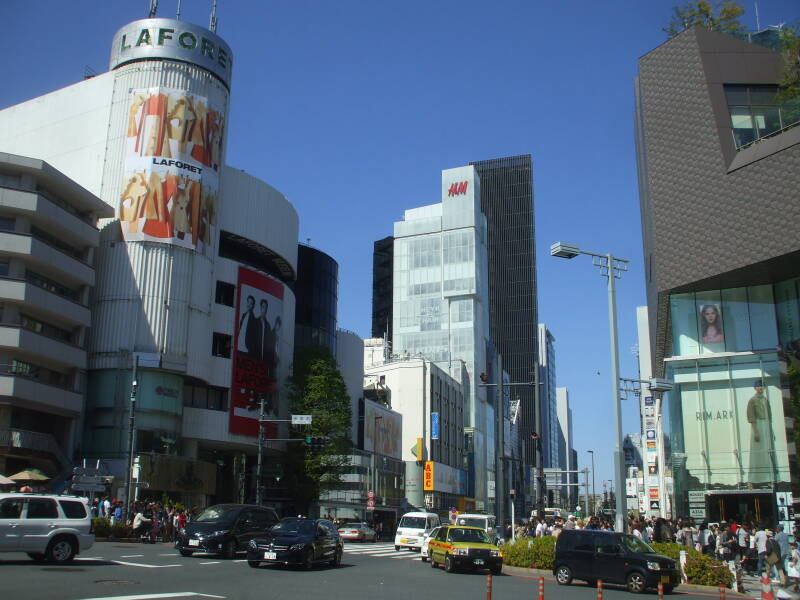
380 551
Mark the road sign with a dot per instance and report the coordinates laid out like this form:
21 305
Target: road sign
87 480
371 504
301 419
141 484
371 494
88 487
434 425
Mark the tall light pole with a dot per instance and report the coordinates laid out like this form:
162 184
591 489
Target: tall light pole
611 268
594 494
131 440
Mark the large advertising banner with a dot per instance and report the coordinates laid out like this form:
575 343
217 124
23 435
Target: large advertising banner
259 318
172 158
734 431
383 431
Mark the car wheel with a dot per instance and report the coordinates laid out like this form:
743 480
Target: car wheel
337 558
635 582
308 560
254 563
185 552
397 548
36 556
424 558
449 566
229 549
60 550
564 575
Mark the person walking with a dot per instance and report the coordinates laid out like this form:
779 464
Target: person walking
761 549
782 540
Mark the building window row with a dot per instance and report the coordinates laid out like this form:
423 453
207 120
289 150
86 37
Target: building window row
55 242
22 368
48 284
201 396
756 112
34 324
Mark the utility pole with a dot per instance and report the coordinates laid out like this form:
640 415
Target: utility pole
260 467
131 438
499 483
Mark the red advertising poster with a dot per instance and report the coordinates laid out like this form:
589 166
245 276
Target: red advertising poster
259 314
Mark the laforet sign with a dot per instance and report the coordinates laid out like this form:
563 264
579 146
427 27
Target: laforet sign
171 39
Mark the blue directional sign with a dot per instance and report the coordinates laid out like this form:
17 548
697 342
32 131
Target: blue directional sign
434 425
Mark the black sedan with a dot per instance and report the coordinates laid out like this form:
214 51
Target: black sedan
225 529
300 542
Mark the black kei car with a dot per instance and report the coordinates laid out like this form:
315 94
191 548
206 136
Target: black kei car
225 529
613 557
300 542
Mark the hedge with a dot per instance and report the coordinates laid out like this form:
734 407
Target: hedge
104 529
537 553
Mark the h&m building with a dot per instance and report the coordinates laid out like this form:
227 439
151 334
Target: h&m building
194 271
719 173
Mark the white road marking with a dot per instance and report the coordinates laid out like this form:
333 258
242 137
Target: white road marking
210 562
132 564
240 560
155 596
168 554
131 555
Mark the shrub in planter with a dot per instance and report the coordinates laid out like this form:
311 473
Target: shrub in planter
121 531
673 550
102 527
534 553
700 568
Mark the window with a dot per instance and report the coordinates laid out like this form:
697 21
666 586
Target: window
3 268
51 286
756 114
10 508
221 345
200 396
72 509
226 292
38 326
42 508
51 240
7 223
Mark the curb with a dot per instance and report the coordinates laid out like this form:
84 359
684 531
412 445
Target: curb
684 587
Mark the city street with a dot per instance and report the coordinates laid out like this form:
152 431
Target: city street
132 571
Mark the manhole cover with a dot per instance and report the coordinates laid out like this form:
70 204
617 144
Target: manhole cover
63 569
117 581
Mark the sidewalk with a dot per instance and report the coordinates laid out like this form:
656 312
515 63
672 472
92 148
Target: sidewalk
752 588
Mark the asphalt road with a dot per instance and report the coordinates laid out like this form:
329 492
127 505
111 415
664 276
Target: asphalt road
120 571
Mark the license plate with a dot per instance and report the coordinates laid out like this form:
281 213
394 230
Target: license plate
665 579
270 556
478 561
194 542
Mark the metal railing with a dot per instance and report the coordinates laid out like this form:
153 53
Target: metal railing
32 440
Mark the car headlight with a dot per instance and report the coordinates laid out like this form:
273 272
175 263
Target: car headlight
495 553
461 551
182 531
253 545
297 547
653 566
221 532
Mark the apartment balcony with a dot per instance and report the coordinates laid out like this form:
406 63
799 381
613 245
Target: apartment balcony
38 395
23 443
60 308
50 215
42 257
37 345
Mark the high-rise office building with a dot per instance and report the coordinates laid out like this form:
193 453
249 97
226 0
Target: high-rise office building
719 169
547 395
382 266
507 202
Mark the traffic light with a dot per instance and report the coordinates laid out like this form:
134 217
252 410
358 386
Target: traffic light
317 443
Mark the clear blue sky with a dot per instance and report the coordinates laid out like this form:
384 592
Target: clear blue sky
352 108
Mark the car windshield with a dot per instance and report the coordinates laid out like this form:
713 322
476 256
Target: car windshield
217 514
413 522
467 535
294 527
634 544
472 522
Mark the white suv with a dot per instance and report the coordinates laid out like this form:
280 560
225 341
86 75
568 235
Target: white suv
47 527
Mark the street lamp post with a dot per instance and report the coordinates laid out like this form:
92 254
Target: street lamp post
611 268
131 439
594 493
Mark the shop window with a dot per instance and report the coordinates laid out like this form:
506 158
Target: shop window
762 317
221 345
226 293
787 303
737 320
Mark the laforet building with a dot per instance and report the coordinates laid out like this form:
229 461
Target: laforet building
719 173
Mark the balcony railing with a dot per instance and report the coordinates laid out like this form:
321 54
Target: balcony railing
33 441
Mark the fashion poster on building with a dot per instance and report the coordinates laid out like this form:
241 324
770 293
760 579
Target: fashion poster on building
734 432
173 153
383 431
259 320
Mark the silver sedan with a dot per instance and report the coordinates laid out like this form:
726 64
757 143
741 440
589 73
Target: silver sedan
357 532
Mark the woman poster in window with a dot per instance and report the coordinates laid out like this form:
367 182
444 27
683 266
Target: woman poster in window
758 416
711 324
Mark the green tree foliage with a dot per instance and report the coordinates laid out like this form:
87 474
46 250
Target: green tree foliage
316 388
720 16
790 84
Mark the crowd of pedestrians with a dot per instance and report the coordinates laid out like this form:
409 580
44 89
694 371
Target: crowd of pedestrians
149 521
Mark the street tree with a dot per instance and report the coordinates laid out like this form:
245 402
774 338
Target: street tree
790 84
316 388
719 16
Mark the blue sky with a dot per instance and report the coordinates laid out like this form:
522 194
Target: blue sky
352 108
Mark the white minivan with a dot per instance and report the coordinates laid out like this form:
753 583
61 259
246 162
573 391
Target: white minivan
485 522
412 529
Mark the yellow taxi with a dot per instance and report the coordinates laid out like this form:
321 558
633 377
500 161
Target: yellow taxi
460 547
